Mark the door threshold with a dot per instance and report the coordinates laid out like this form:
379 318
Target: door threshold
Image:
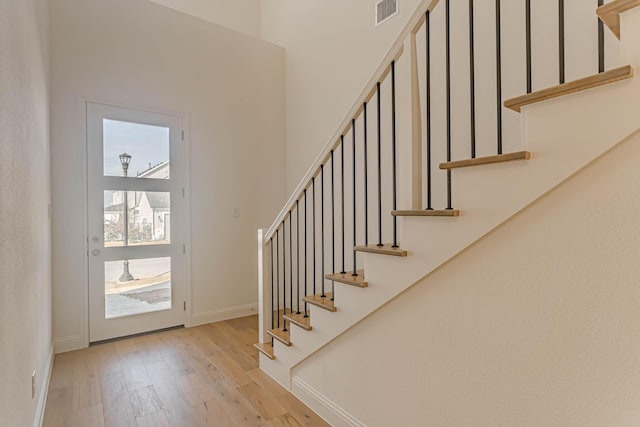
91 344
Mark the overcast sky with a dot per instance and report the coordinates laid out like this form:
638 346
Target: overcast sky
145 143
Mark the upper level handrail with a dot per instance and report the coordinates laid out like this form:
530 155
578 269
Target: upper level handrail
396 50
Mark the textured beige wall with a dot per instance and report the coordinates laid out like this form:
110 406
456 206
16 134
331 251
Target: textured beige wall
135 52
25 242
332 48
238 15
536 324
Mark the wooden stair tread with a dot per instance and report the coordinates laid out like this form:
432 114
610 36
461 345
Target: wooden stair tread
281 335
610 13
300 320
427 212
386 249
348 278
322 302
266 349
498 158
584 83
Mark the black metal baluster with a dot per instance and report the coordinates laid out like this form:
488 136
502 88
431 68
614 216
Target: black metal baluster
600 41
448 90
322 224
528 41
297 258
333 224
498 76
561 55
278 275
366 190
272 290
428 102
284 274
290 264
313 239
393 150
342 195
305 252
353 137
472 78
379 170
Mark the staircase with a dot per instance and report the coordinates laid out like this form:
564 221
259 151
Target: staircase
377 211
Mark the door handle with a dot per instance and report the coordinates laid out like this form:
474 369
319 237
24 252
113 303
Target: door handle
95 252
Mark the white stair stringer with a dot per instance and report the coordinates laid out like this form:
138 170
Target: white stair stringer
487 197
564 135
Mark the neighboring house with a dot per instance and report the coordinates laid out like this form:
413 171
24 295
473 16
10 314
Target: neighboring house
149 212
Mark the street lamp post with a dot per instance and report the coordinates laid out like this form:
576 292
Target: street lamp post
125 159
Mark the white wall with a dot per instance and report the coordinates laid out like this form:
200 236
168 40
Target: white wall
25 244
231 86
238 15
535 324
332 48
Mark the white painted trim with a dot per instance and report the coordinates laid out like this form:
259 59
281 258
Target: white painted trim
70 343
84 325
322 405
186 147
44 390
262 309
186 124
221 314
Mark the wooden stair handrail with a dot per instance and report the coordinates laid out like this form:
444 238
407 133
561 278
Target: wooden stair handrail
395 52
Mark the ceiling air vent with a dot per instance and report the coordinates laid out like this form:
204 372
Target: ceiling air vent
385 9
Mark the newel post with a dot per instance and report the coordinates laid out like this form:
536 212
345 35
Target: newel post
264 288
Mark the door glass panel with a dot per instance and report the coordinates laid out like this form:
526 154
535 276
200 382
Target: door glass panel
137 286
146 148
148 217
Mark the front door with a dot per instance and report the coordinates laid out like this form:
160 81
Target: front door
136 221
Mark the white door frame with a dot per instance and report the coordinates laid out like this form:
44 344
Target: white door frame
82 119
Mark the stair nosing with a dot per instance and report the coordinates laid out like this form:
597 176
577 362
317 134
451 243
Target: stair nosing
382 250
279 338
589 82
609 13
336 277
318 304
498 158
297 323
262 350
427 212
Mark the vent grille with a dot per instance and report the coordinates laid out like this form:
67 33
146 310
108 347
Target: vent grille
385 9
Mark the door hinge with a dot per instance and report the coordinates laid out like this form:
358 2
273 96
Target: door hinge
185 305
184 248
182 192
183 136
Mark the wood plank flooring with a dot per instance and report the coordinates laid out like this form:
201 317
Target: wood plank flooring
202 376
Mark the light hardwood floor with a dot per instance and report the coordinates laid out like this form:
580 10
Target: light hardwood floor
202 376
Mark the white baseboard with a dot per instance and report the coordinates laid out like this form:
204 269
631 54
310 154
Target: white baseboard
322 405
44 389
64 344
221 314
